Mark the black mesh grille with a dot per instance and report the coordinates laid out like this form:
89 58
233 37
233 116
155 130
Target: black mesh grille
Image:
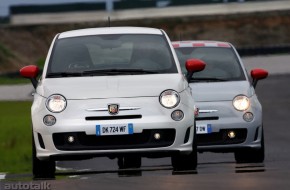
186 138
41 143
221 138
206 118
92 142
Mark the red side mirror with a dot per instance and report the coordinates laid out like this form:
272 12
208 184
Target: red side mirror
259 74
30 71
194 65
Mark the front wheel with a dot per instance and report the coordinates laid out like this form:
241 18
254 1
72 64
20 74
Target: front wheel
40 168
186 162
251 155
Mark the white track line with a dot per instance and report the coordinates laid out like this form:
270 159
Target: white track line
2 176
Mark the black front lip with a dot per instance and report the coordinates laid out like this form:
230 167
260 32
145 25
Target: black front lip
83 156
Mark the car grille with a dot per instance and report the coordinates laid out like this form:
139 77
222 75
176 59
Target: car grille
221 138
206 118
93 118
92 142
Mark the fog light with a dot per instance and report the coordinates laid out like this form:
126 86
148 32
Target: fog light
157 136
231 134
71 139
49 120
177 115
248 116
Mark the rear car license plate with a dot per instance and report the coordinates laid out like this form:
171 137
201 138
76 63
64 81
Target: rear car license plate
114 129
203 129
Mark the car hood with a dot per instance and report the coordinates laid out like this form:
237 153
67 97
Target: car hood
220 91
111 86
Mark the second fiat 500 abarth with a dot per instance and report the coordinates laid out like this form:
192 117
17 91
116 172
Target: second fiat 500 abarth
230 114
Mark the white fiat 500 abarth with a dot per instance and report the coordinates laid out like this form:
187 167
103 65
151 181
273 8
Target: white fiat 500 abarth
230 114
117 92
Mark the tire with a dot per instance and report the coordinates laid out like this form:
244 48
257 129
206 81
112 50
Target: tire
129 162
42 169
186 162
251 155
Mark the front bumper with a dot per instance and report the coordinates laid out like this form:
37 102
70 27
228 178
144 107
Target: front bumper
223 119
51 141
220 142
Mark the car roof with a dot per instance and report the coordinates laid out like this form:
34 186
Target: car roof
177 44
110 30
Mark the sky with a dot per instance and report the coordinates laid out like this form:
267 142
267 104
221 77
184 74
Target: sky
5 4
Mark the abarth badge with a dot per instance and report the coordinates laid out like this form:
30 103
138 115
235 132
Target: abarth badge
113 109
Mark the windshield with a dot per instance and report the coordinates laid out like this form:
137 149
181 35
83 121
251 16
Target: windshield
124 54
222 64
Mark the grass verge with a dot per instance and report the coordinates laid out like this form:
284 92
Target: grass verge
15 137
9 80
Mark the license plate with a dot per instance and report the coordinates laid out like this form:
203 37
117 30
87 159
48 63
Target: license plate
203 129
118 129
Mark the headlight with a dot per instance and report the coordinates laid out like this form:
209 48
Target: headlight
56 103
241 102
169 98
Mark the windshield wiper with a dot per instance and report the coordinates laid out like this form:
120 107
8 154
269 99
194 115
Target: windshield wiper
118 71
207 80
64 74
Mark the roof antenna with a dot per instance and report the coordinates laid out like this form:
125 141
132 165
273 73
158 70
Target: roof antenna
109 21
